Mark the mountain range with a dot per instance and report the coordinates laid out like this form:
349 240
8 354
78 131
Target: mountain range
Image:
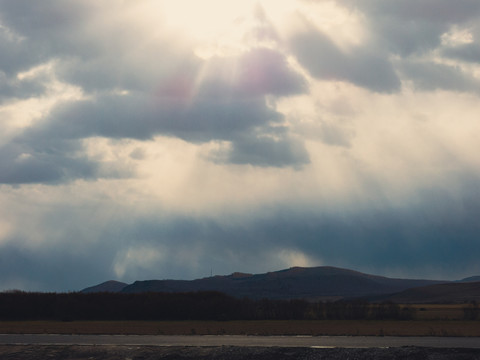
313 283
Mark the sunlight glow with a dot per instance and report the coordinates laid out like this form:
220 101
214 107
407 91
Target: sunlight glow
226 28
205 19
291 258
346 28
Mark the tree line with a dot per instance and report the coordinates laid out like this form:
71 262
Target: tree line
207 305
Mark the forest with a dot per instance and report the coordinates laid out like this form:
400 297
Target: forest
206 305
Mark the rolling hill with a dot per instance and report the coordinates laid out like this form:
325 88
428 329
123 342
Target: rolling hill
457 292
315 283
107 286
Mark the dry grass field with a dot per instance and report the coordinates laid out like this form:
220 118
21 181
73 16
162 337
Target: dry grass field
439 311
271 327
430 320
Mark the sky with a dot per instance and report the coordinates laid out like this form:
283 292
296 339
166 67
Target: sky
174 139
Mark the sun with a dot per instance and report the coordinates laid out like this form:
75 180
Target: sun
206 19
221 27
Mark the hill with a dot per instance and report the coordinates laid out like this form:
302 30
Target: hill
457 292
316 283
107 286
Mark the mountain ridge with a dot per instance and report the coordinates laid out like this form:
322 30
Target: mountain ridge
107 286
452 292
312 283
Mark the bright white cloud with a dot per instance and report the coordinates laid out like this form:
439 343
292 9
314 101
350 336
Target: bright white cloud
291 258
457 36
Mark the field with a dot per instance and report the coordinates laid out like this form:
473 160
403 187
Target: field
430 320
270 327
439 311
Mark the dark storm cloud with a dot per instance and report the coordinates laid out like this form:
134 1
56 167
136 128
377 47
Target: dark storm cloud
365 67
142 116
51 268
51 161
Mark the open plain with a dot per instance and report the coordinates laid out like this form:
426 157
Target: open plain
264 327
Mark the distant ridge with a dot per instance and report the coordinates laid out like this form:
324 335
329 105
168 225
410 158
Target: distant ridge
314 283
456 292
470 279
107 286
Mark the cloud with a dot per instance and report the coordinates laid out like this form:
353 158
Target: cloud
383 240
139 90
467 52
20 165
160 88
428 10
136 257
428 76
13 88
263 71
48 271
280 151
141 141
141 116
361 66
460 43
410 27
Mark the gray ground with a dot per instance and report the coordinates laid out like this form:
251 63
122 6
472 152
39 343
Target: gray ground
117 352
244 340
